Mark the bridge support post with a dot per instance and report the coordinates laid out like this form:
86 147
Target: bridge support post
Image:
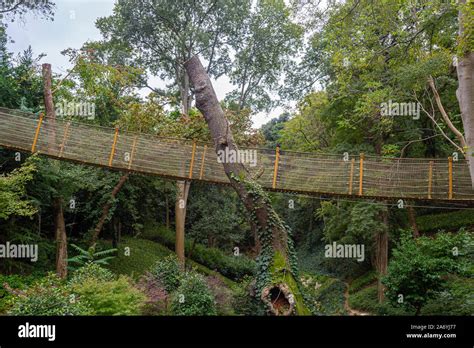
35 139
275 168
112 152
191 166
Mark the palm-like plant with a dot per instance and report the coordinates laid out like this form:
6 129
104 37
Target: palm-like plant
90 256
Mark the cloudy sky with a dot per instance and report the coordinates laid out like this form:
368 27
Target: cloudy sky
74 24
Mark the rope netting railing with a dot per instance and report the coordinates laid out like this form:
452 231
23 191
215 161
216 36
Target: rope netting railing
289 171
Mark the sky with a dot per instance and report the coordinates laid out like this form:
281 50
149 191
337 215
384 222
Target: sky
74 24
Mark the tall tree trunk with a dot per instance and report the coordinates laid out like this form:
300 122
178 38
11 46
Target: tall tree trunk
61 238
277 282
465 71
49 107
106 208
381 256
183 186
180 218
58 212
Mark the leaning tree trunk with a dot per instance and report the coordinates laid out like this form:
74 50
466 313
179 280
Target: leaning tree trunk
61 239
465 71
106 208
277 281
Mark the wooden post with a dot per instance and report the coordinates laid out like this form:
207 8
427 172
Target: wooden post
191 166
201 172
450 174
112 152
134 144
66 130
351 176
430 179
361 173
275 169
38 127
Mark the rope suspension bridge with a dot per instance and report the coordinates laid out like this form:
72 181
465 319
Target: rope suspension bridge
355 176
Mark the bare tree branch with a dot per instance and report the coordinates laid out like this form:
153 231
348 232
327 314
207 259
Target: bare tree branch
446 118
439 127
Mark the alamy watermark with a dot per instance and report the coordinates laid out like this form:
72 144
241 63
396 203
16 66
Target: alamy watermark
79 109
237 156
37 331
19 251
400 109
346 251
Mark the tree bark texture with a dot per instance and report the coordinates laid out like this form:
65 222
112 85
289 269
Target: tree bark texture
61 238
49 107
465 72
180 218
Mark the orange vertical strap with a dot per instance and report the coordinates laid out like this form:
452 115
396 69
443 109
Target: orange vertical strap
38 127
275 168
191 166
361 173
430 179
351 176
112 152
450 173
134 144
63 144
201 172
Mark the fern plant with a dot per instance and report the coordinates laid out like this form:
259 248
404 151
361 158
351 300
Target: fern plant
90 256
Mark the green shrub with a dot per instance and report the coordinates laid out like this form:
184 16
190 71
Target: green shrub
419 267
167 271
14 281
234 267
457 299
365 300
193 297
49 296
117 297
363 281
91 271
330 296
451 221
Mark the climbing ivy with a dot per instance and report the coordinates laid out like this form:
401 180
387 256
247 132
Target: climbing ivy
272 266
